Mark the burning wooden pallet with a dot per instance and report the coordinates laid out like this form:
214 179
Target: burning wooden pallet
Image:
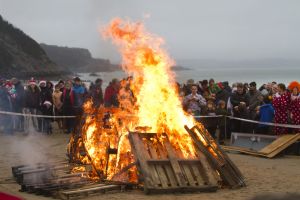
162 169
56 181
218 159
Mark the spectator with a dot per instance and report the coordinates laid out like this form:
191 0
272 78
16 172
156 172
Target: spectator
265 114
125 96
68 107
210 123
187 88
44 124
255 99
294 87
79 96
57 105
97 94
61 84
18 104
240 101
213 87
32 103
221 110
111 94
49 86
226 86
222 94
194 102
281 103
203 87
5 105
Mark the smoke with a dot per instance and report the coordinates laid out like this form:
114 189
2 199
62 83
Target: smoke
31 147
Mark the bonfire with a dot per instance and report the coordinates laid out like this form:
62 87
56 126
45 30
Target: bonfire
149 104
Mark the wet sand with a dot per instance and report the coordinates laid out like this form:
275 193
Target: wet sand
263 176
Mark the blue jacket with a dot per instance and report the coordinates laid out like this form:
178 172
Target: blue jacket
266 113
79 92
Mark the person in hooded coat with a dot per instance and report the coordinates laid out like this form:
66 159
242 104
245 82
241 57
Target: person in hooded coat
46 103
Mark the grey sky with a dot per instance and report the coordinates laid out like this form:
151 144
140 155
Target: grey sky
192 29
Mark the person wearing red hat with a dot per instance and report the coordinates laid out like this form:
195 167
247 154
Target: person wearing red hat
294 88
44 124
31 103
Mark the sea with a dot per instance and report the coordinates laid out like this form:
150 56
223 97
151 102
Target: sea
261 74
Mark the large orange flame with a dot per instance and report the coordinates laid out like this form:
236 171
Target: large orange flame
158 102
157 105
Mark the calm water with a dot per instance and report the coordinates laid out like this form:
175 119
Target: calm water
259 74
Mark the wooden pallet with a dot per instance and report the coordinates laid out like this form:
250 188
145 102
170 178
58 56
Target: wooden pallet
55 180
162 169
89 191
271 150
218 159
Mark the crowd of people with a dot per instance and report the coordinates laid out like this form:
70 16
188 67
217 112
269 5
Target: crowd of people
271 102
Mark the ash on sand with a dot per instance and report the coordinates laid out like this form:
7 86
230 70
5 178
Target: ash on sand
275 177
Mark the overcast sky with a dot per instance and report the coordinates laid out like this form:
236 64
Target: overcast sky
192 29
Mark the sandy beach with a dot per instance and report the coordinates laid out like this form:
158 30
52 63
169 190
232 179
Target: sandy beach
263 176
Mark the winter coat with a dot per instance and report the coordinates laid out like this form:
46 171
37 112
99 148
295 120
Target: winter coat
5 100
18 102
236 98
266 114
32 98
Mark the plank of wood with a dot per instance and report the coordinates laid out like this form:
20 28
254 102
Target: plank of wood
171 175
278 143
141 155
198 175
226 172
208 174
243 150
283 147
188 175
158 168
174 164
232 168
100 187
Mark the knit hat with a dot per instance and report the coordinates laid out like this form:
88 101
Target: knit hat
8 84
32 81
47 103
220 85
42 81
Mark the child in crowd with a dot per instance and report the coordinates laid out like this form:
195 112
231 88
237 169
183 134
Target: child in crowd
221 110
265 114
57 102
210 122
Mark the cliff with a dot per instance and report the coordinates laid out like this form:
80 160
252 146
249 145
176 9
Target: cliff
77 59
22 57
